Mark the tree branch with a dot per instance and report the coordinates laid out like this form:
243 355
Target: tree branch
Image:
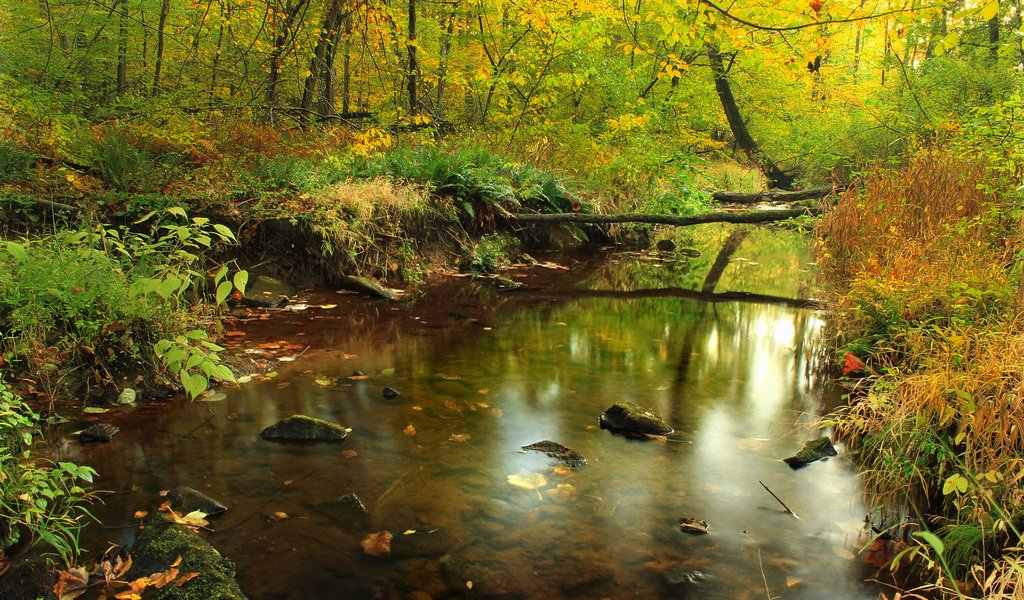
778 29
753 216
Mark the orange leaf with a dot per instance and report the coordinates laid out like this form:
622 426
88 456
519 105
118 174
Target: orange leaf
279 516
377 544
451 405
852 364
71 583
409 430
349 454
141 514
187 577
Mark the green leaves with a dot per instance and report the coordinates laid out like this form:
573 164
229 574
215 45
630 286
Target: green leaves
955 483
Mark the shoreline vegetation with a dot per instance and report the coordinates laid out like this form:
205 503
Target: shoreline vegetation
159 154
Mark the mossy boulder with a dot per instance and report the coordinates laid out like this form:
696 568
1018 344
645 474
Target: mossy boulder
626 417
302 428
369 287
161 543
813 450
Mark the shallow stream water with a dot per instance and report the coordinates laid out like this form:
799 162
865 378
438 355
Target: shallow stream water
482 373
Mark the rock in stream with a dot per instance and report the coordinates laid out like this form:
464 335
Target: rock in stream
302 428
568 456
626 417
813 450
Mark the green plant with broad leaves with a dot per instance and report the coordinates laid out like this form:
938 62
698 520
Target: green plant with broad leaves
40 498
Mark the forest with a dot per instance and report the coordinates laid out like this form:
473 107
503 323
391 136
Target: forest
158 157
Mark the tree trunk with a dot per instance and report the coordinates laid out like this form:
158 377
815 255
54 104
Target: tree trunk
777 177
165 8
751 216
442 69
328 33
775 195
413 65
284 35
122 48
346 81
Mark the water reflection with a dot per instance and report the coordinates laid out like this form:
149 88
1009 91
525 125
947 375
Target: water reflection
734 379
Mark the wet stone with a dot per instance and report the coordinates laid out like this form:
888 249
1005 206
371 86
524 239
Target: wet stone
369 287
694 526
626 417
390 392
813 450
98 432
301 428
184 500
568 456
679 575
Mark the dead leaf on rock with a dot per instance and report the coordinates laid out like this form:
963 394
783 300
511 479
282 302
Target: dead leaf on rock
185 578
377 544
409 430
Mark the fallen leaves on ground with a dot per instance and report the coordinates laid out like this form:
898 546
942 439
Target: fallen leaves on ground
71 583
377 544
74 582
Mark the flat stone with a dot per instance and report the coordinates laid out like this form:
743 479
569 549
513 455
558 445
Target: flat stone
98 432
369 287
627 417
302 428
184 500
813 450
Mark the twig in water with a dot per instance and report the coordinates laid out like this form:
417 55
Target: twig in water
779 500
760 565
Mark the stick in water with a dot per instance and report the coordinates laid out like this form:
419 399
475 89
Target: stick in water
777 499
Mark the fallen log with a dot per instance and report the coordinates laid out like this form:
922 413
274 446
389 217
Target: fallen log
775 195
749 216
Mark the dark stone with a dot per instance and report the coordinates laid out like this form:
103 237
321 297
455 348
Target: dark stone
390 392
349 511
368 287
666 246
503 284
161 543
626 417
184 500
678 575
813 450
352 501
568 456
98 432
692 525
301 428
356 374
690 252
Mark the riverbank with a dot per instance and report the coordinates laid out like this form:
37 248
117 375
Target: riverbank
925 265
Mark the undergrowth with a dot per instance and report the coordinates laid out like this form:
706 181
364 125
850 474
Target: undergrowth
924 262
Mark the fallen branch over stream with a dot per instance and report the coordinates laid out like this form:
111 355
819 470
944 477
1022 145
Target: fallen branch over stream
747 216
776 195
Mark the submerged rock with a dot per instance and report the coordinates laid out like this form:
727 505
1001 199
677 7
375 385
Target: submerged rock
160 544
568 456
628 417
301 428
813 450
364 285
184 500
678 575
692 525
98 432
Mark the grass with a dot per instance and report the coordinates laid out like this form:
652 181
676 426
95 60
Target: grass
923 262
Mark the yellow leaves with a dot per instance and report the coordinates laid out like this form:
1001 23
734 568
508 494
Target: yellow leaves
990 10
459 437
528 481
279 516
955 483
563 492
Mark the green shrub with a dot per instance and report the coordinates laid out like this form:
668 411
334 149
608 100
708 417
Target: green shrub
40 498
490 253
14 163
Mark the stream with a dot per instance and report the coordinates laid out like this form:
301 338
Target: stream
482 372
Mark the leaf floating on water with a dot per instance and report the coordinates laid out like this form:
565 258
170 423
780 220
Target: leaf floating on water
346 356
564 492
388 371
452 406
844 553
562 471
94 410
286 359
358 377
483 391
349 454
244 379
279 516
409 430
328 306
417 408
377 544
141 514
529 481
793 581
211 396
324 381
459 437
71 583
409 532
483 405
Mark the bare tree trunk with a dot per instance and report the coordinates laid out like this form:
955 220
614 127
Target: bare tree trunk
346 81
328 34
413 64
442 69
776 176
165 8
122 48
284 35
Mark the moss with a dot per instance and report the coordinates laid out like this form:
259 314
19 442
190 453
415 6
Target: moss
160 544
305 428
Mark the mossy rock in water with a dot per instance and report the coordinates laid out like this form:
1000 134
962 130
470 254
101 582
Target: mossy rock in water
301 428
161 543
626 417
813 450
364 285
568 456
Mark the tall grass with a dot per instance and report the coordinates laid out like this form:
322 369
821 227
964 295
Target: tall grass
923 262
